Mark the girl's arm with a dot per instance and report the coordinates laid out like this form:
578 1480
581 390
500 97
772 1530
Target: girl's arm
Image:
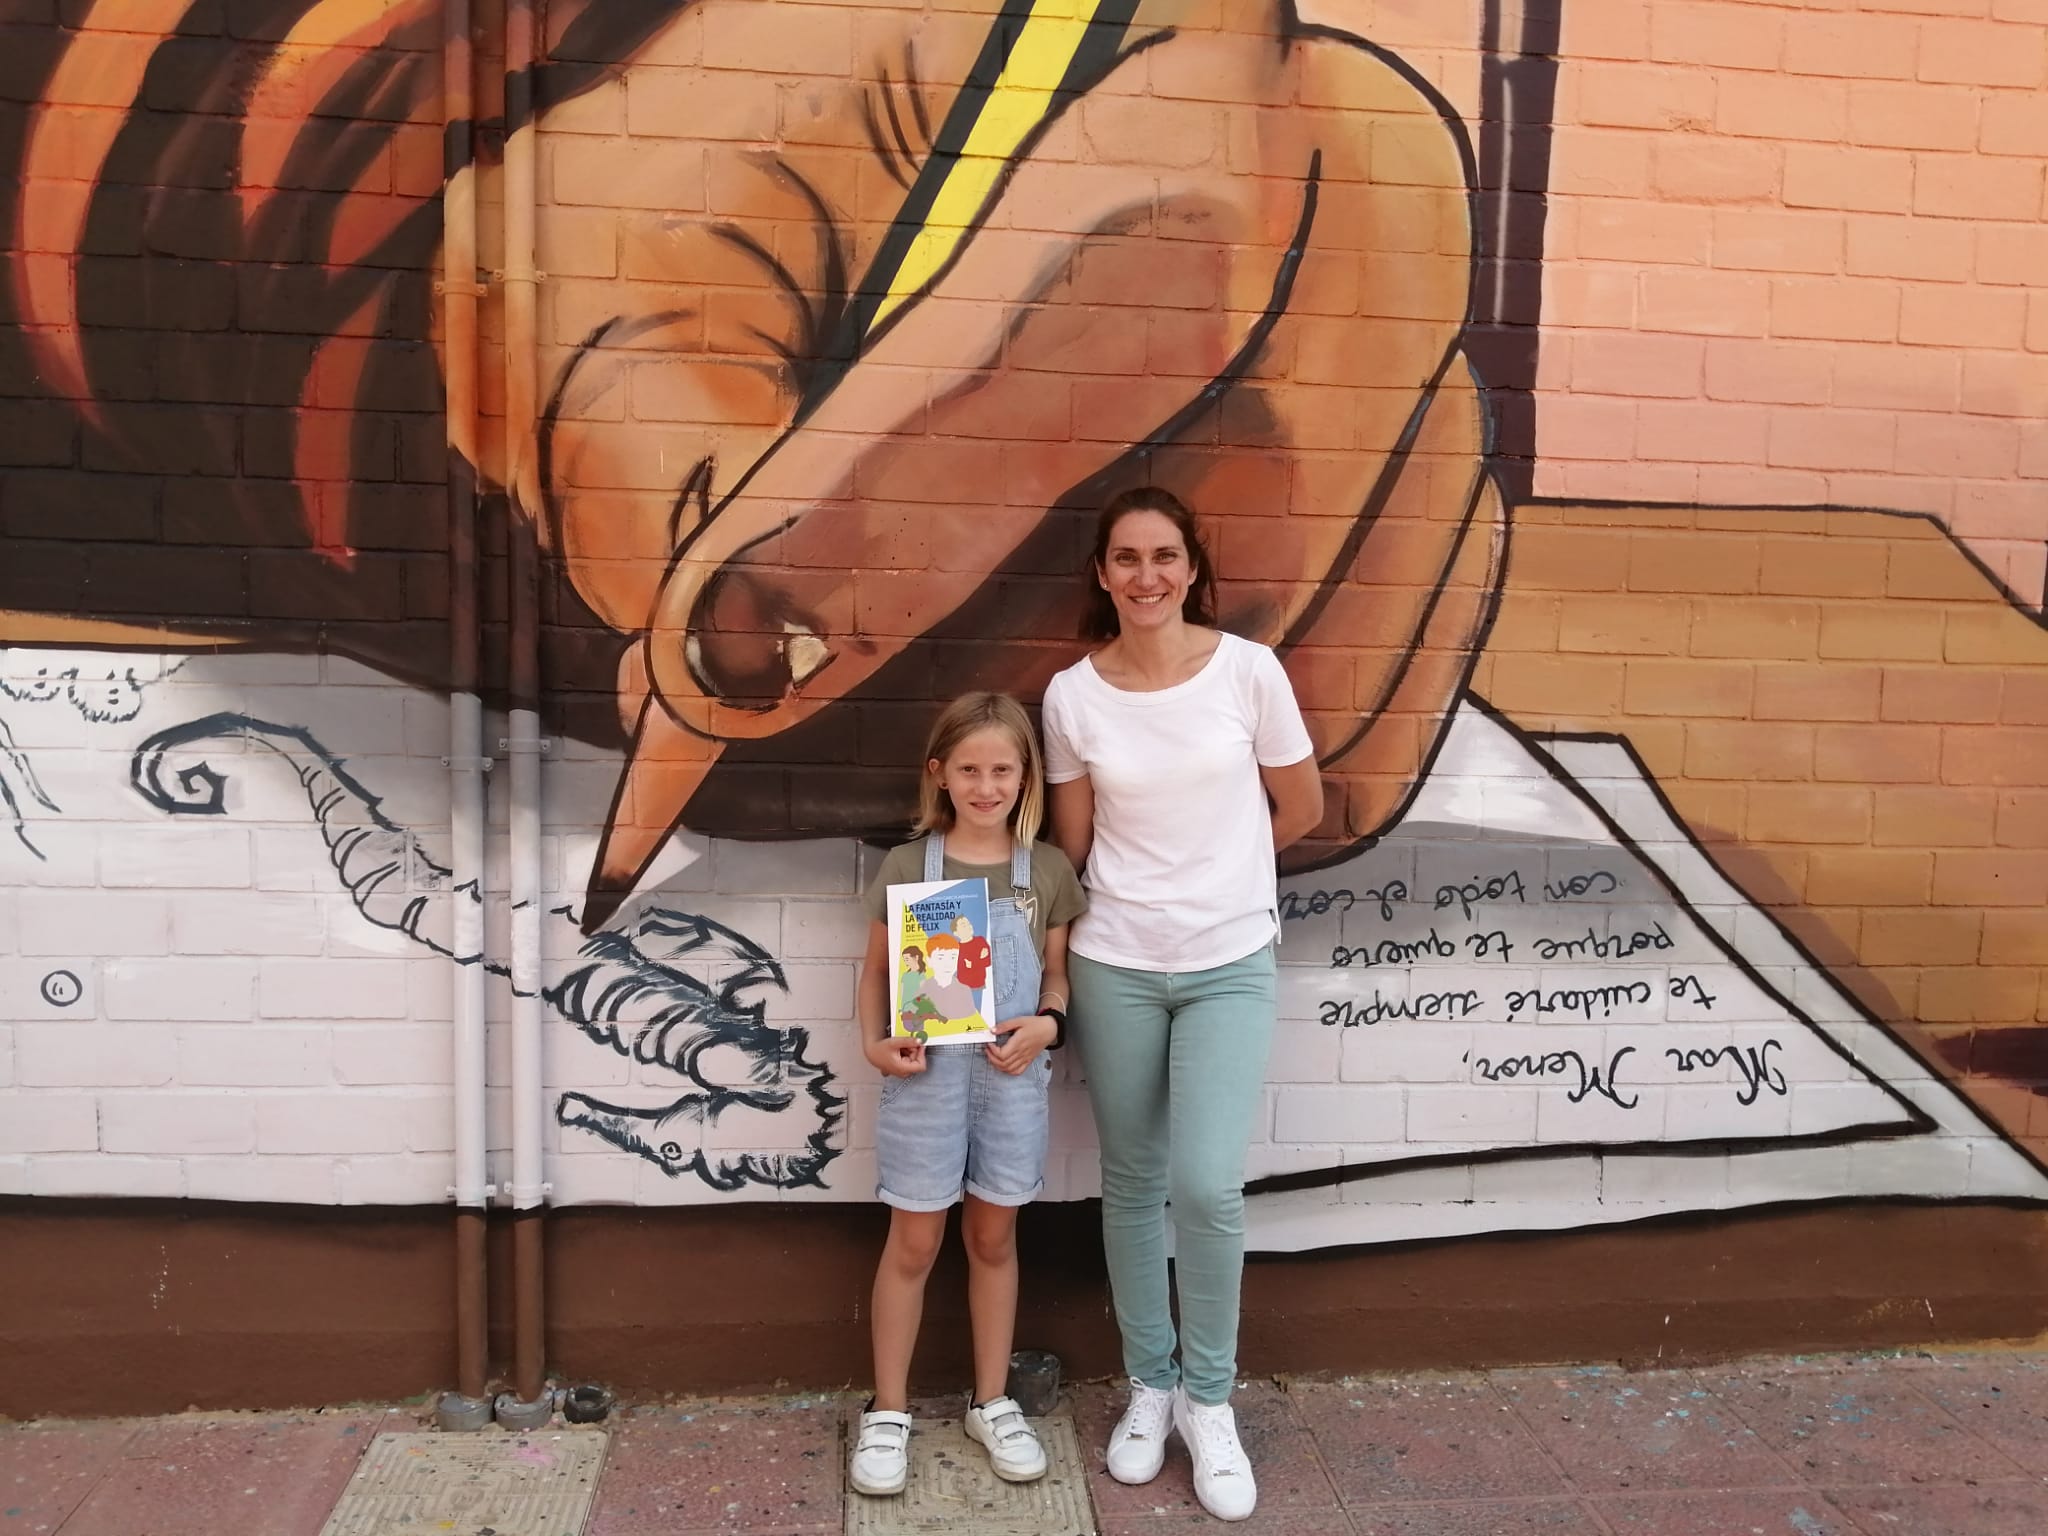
1023 1038
874 1008
1297 794
1073 833
1052 986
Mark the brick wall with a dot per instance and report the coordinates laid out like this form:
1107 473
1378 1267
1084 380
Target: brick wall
1795 258
1784 258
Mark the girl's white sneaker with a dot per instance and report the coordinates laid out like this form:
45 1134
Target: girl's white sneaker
1137 1446
1223 1473
1012 1444
881 1453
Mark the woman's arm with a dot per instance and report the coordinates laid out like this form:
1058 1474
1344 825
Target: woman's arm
1073 825
1297 794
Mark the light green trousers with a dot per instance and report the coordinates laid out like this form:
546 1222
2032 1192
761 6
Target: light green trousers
1176 1065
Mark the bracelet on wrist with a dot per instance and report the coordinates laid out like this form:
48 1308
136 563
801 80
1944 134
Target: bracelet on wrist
1059 1026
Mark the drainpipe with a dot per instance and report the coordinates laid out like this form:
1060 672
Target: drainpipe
523 743
468 1407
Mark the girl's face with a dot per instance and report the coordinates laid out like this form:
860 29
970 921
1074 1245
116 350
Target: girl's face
1146 570
982 776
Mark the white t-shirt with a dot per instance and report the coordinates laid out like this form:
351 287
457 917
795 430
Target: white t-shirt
1180 876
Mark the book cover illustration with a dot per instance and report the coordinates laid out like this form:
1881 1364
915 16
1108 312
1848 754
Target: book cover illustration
944 988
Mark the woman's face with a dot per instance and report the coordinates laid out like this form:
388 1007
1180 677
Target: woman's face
1146 570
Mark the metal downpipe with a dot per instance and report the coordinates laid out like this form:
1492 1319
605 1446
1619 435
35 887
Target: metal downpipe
523 744
460 291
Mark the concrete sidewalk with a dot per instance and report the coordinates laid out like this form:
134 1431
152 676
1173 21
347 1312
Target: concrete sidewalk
1919 1445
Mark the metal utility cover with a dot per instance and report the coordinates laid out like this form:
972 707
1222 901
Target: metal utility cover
952 1489
486 1484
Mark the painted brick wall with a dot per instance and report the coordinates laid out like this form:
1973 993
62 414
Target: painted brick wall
1747 262
1795 258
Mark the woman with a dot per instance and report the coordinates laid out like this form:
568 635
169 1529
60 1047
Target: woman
1179 765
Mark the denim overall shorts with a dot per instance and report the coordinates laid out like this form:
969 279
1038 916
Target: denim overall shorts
963 1125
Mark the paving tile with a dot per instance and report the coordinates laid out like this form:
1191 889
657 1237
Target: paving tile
1615 1430
1857 1426
1422 1438
954 1491
1283 1456
1754 1512
2001 1399
1989 1509
1848 1360
1541 1517
249 1475
1264 1522
534 1483
46 1470
766 1470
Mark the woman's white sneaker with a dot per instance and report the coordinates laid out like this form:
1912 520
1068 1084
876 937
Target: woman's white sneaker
1137 1446
1000 1427
1223 1473
881 1453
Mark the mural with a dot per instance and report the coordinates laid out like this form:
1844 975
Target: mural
1676 856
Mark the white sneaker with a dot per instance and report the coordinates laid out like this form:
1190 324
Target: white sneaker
1137 1446
1223 1473
881 1453
1012 1444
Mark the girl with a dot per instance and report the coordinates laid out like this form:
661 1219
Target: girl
1179 764
959 1124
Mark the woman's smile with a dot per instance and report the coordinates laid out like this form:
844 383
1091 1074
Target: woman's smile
1147 569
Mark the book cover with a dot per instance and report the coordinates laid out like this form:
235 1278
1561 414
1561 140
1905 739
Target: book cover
944 984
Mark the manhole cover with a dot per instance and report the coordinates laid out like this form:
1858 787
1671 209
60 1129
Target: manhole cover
488 1484
952 1490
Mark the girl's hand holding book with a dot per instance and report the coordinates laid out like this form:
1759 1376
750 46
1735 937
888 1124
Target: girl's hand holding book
895 1055
1021 1041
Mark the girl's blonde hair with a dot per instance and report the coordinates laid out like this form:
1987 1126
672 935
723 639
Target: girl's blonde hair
959 720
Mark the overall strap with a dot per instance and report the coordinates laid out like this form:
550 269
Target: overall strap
935 856
1020 866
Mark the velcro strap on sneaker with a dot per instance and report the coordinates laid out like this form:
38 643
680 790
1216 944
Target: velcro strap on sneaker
883 1427
1005 1419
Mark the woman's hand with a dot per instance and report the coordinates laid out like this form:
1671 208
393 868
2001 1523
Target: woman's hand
894 1055
1021 1041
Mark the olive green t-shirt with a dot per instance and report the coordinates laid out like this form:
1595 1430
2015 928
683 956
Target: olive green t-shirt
1060 898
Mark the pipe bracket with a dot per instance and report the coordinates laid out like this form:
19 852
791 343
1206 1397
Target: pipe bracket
541 744
455 1413
480 764
520 1416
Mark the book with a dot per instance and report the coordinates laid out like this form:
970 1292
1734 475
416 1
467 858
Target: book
944 969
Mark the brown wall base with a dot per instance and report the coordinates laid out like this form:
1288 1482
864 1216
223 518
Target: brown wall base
142 1306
